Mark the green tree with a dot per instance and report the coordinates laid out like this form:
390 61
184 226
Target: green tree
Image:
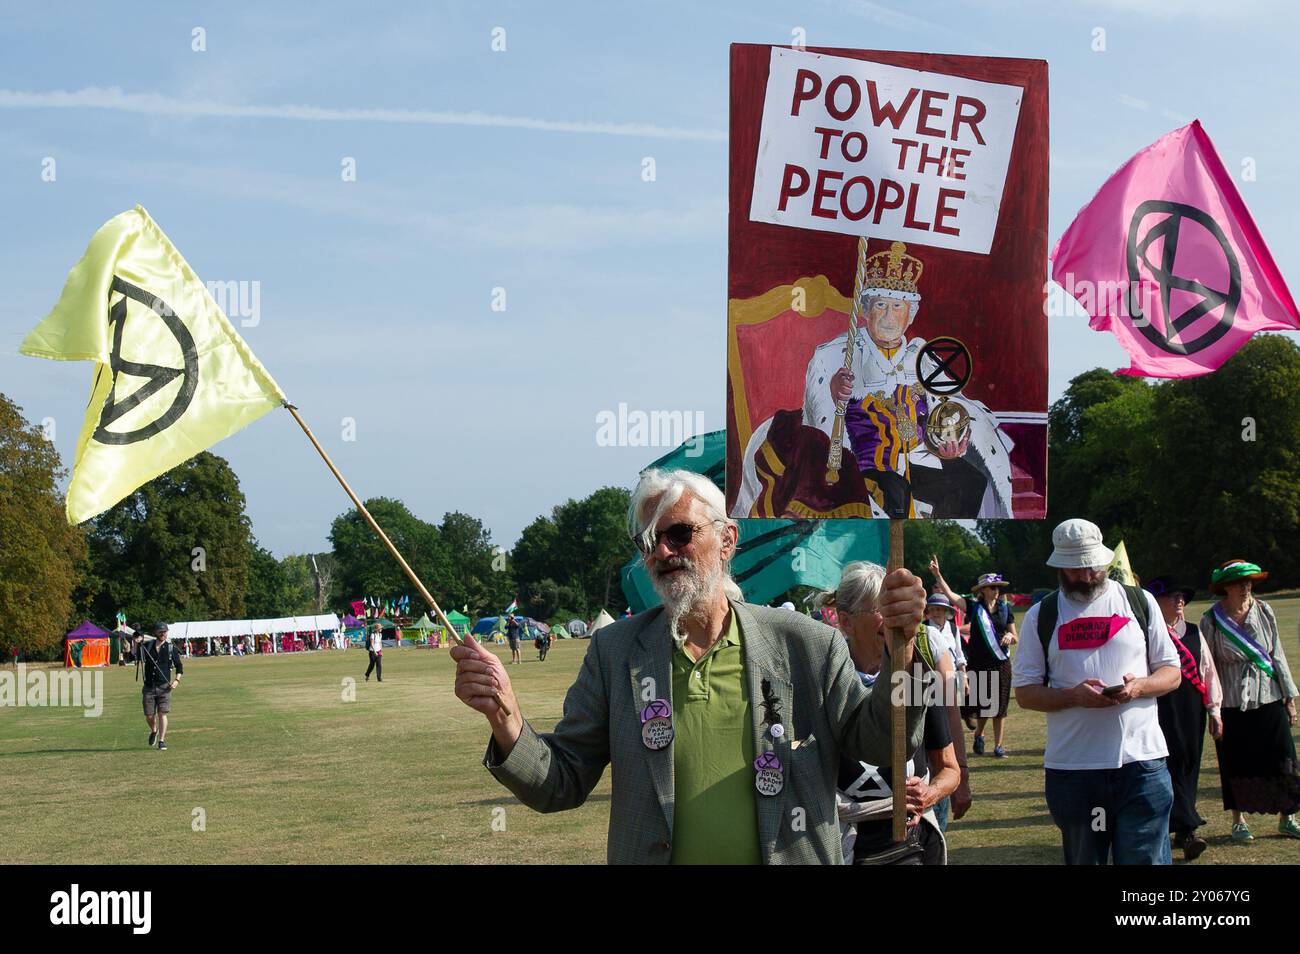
480 579
42 557
593 541
547 599
177 548
269 594
300 585
533 555
1228 479
364 567
582 546
1019 548
962 555
1188 472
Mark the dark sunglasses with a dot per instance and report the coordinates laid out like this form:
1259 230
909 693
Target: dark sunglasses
678 536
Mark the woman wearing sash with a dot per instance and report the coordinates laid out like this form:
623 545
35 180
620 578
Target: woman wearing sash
988 655
1257 756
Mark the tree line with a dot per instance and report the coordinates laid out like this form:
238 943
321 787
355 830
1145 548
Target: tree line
1189 473
183 547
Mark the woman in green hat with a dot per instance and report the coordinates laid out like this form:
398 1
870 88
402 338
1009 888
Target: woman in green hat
1257 755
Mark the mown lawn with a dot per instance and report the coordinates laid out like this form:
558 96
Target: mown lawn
285 770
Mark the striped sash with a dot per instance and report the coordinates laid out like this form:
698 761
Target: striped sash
1240 637
985 623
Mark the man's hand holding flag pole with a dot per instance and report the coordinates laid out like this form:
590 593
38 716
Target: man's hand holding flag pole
134 306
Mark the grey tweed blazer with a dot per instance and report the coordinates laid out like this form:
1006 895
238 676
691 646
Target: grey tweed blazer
824 709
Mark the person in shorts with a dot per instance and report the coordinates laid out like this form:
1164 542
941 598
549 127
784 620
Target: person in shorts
512 636
159 659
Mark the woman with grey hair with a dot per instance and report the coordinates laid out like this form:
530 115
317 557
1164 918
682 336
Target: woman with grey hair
865 794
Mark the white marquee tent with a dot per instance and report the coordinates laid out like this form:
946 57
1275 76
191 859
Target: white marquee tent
221 628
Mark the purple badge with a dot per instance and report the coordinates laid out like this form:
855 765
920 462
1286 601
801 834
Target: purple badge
767 760
659 709
768 778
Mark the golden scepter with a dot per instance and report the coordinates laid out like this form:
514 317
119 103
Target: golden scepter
837 429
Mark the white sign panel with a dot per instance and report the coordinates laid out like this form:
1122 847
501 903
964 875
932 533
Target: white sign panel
861 148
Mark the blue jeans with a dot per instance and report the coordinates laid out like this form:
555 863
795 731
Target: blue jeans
941 808
1124 811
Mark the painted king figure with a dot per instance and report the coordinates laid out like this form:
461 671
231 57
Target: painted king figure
964 471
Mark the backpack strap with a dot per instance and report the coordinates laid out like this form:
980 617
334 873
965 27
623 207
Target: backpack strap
1137 602
1049 611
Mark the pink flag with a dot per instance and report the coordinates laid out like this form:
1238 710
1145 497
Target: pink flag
1167 258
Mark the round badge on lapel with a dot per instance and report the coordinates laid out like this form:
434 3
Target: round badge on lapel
769 779
657 725
777 731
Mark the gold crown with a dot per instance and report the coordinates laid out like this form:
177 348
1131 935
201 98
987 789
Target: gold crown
894 270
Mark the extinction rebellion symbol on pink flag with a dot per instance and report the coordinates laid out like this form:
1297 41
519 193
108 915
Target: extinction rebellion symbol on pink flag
1167 258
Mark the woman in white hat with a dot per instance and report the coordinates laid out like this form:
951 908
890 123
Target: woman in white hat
988 656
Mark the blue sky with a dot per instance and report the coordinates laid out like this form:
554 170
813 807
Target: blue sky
520 170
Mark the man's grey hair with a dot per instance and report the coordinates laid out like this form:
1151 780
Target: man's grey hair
662 489
859 588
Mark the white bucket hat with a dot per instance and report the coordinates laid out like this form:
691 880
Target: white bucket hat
1077 545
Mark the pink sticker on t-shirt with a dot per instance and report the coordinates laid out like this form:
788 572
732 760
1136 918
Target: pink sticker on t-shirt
1089 632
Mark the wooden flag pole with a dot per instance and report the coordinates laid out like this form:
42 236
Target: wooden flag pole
900 658
415 580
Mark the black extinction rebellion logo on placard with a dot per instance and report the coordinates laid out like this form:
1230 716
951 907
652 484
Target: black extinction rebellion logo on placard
156 377
1169 223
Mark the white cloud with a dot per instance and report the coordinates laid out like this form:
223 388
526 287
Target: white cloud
157 104
553 227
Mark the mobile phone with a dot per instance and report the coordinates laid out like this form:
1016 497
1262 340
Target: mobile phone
1112 690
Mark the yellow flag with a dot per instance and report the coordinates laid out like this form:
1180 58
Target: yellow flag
173 375
1119 568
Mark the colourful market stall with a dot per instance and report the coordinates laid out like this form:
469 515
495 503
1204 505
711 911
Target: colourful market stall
88 647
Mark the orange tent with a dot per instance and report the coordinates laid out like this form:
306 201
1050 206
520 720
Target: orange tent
87 646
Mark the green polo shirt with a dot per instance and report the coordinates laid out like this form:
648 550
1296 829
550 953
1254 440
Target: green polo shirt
715 818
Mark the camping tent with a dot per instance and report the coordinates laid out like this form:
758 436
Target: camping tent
422 625
577 627
460 621
488 624
602 620
88 646
420 629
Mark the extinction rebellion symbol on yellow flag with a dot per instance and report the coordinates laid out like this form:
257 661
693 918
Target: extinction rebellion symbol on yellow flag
173 376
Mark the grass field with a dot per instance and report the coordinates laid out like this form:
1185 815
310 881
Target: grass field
285 770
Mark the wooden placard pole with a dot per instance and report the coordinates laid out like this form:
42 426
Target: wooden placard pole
900 653
415 580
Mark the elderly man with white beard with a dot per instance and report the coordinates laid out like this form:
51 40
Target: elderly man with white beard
723 721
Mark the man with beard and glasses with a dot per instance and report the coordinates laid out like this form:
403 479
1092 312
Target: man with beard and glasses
1095 657
723 722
